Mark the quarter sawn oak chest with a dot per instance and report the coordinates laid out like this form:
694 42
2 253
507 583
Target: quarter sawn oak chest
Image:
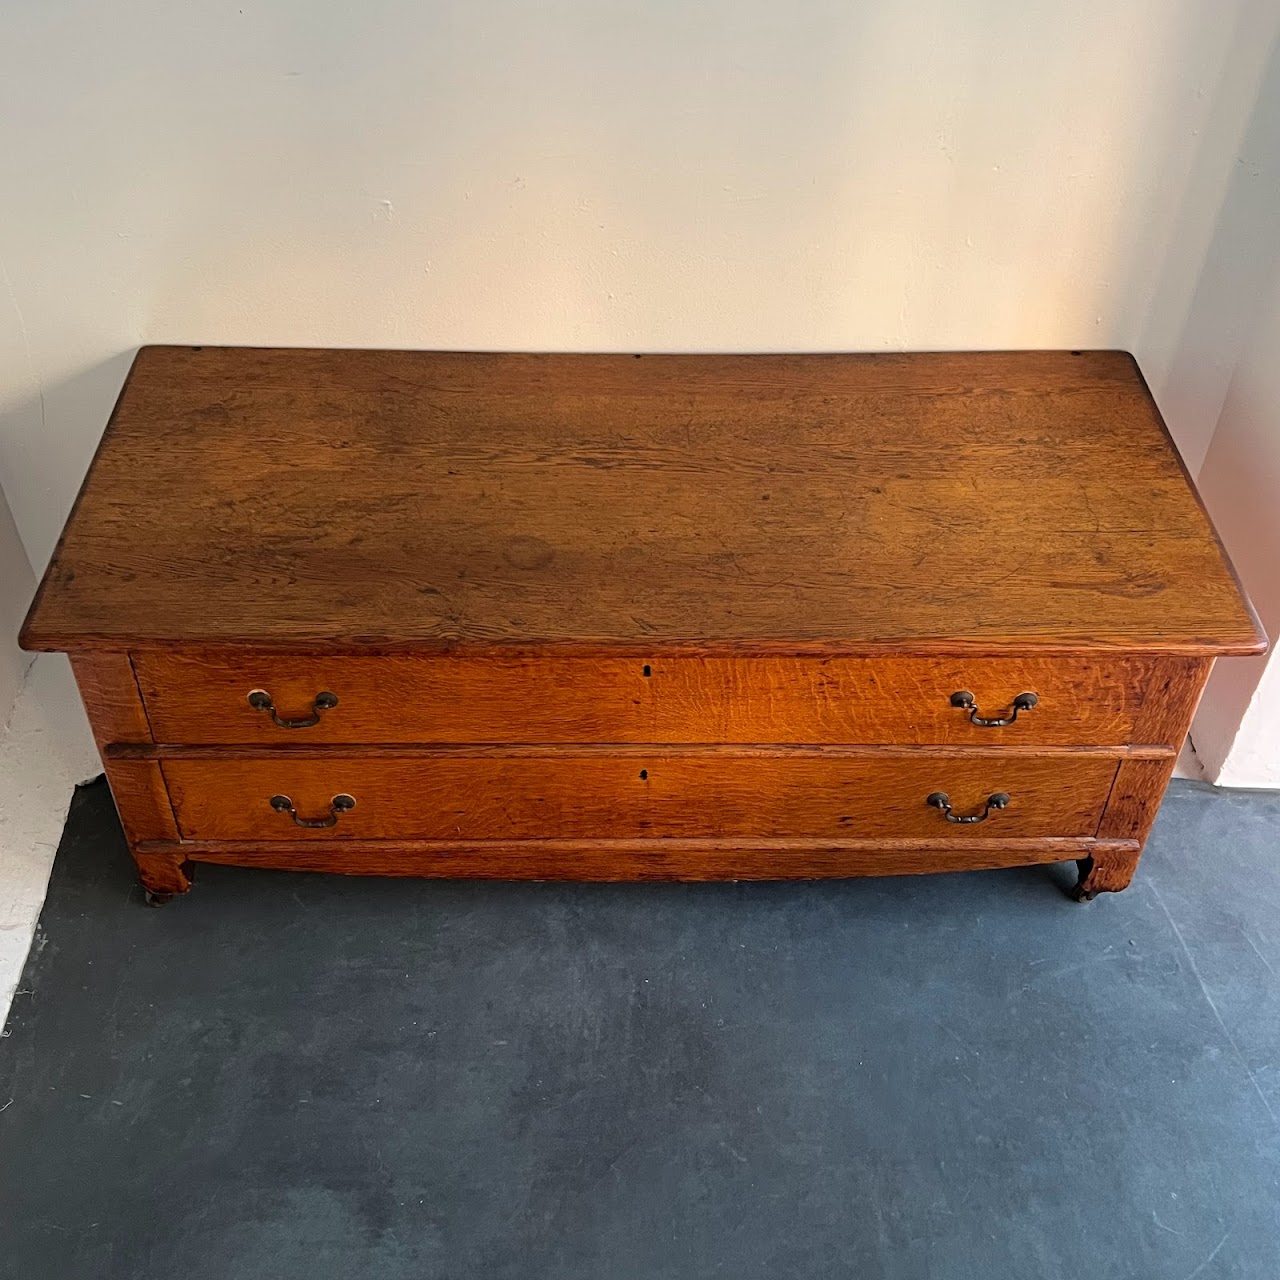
638 617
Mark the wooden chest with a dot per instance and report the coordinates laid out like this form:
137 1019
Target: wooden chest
638 617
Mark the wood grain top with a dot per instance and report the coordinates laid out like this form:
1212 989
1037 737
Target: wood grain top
377 500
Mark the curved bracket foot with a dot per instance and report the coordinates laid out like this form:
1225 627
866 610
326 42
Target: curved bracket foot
1080 891
163 876
1108 868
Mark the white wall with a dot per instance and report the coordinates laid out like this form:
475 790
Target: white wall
679 174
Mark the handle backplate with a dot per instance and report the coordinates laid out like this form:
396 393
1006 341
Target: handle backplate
260 700
963 699
940 800
339 805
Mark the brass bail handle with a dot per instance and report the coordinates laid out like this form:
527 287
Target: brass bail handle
340 804
260 700
964 699
940 800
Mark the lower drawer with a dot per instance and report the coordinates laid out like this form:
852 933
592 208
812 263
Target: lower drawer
710 795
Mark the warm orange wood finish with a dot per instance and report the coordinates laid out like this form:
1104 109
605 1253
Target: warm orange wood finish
111 699
619 617
203 698
1140 784
842 503
649 859
1171 700
442 798
578 750
115 710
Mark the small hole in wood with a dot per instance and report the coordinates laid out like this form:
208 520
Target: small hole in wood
644 773
647 670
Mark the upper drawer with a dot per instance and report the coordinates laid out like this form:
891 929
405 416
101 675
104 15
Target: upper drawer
242 697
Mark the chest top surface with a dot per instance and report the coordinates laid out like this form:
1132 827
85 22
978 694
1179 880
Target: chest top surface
974 502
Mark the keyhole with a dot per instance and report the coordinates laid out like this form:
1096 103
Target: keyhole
644 773
646 671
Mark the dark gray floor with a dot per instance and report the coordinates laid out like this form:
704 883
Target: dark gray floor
959 1076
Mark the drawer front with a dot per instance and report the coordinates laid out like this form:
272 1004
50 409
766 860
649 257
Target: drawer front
410 699
715 794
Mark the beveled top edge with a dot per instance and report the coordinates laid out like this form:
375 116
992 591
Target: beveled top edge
1251 646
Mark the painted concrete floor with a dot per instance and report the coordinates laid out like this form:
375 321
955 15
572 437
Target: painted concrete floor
953 1076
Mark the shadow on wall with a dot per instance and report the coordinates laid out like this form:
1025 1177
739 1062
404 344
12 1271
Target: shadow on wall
1225 251
16 585
48 746
49 437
